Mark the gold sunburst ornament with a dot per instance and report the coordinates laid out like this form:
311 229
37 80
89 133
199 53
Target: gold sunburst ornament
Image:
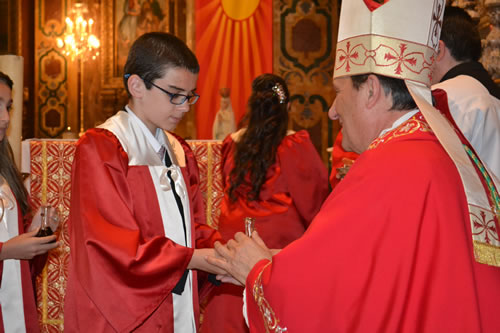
240 10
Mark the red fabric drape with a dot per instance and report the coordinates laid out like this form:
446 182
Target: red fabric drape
231 52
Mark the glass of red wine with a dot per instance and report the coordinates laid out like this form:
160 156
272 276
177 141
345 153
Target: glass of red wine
49 220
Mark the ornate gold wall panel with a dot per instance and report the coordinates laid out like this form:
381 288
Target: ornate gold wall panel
304 46
52 98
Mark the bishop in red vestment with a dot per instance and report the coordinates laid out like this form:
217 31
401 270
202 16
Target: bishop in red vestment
409 240
389 251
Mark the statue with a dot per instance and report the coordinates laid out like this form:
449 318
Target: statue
224 122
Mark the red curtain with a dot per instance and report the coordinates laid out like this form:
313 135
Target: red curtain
233 46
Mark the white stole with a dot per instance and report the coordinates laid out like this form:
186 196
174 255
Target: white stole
141 153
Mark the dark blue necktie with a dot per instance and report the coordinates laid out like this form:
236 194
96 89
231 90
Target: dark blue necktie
179 287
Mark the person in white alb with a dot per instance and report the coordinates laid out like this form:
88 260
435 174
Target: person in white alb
473 97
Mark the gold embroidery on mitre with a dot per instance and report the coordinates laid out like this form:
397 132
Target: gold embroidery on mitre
386 56
411 126
271 323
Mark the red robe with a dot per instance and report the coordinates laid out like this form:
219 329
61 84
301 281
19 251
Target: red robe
29 304
296 186
122 267
390 251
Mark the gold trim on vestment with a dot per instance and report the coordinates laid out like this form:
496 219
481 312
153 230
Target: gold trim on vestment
44 200
486 253
44 275
485 236
271 323
408 127
210 161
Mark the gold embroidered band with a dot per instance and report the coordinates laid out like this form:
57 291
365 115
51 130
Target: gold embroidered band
386 56
271 322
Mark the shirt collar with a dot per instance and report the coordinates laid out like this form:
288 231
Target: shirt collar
156 141
399 121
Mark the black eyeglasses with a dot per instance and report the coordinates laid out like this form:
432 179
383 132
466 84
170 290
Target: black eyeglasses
176 99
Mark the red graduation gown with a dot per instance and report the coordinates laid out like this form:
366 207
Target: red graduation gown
29 304
390 251
122 267
295 187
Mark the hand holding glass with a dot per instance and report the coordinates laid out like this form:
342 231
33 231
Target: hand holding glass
47 220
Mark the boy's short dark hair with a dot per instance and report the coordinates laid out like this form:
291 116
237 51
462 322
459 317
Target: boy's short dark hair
460 35
153 53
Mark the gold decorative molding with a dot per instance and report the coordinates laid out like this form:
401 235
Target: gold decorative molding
304 41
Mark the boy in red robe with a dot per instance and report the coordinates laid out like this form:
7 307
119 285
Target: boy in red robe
137 224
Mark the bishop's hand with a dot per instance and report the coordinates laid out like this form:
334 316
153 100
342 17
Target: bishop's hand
239 255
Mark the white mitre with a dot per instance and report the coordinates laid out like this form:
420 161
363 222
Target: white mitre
399 39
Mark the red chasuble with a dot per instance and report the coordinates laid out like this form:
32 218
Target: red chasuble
390 251
294 190
122 267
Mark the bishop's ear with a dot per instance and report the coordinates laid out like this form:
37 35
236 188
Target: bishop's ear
373 89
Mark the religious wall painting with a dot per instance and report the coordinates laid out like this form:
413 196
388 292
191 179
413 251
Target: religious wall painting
132 19
123 22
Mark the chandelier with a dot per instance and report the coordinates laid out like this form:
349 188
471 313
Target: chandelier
79 42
